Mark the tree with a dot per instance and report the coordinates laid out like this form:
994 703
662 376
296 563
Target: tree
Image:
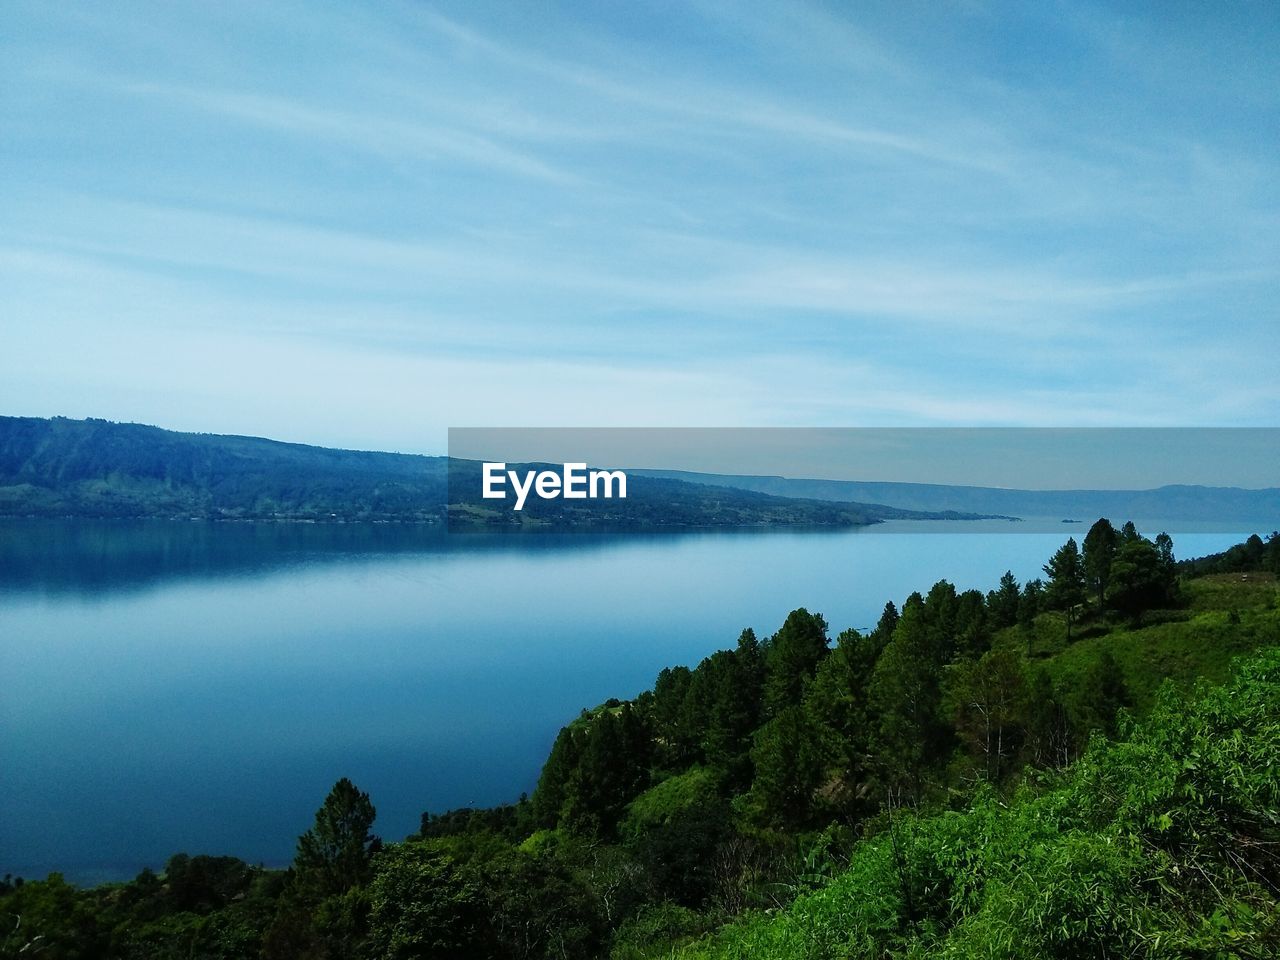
1096 700
906 695
612 770
535 906
1048 727
972 625
1100 545
423 904
1029 608
552 790
335 854
1002 603
885 627
1066 588
839 712
787 769
1143 577
941 609
734 680
201 883
49 918
793 657
751 666
689 742
323 912
670 691
679 854
989 704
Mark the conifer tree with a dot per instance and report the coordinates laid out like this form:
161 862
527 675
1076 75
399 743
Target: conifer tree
906 694
1066 588
334 855
1002 603
793 657
1100 545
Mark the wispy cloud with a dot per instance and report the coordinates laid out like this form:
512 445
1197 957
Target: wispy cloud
392 139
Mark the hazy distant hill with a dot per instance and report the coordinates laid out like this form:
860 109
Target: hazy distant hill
95 468
1165 503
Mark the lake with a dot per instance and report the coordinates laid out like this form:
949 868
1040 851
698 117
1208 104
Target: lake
199 687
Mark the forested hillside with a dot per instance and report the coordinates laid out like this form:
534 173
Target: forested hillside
1043 770
95 468
98 469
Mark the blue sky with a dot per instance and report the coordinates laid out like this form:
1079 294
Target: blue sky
359 224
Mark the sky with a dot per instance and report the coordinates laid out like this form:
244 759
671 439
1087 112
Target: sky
361 224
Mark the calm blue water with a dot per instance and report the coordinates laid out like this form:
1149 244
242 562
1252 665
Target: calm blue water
198 687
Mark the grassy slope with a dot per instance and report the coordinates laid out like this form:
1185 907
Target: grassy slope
1199 642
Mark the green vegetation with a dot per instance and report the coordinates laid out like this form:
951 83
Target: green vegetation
96 469
1045 770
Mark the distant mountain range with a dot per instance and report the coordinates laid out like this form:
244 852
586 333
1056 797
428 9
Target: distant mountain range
99 469
1175 502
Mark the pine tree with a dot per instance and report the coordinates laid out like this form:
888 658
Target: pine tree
941 607
1144 577
552 791
1066 588
906 695
793 656
1002 603
787 769
667 709
1029 608
972 625
751 667
1100 545
840 714
612 769
886 625
334 855
735 681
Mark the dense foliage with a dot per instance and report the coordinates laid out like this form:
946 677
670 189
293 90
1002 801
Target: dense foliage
1038 771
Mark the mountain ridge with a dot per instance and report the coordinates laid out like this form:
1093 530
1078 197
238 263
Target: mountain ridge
1169 501
95 468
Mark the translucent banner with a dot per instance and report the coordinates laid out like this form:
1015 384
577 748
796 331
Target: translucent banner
909 480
